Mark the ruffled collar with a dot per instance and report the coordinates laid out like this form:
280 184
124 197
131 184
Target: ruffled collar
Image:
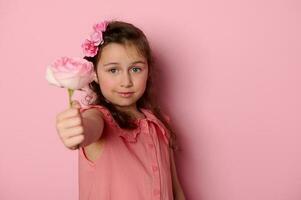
131 135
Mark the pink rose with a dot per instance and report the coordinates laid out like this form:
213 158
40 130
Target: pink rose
71 73
96 37
89 48
100 27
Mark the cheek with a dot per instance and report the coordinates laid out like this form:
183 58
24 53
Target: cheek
142 81
145 77
106 83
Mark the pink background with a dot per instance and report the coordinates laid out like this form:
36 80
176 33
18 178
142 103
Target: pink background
230 79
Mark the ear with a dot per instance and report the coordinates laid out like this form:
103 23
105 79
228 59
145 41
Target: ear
95 78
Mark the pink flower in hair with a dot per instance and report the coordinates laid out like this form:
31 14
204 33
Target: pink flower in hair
89 48
96 37
100 27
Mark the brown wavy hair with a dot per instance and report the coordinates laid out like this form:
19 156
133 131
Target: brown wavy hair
126 33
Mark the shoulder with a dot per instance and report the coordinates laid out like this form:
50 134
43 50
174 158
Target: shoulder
150 114
162 126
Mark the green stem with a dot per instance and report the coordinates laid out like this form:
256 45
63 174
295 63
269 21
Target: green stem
70 92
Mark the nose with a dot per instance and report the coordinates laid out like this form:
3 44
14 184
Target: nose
126 80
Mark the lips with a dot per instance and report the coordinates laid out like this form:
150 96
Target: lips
125 92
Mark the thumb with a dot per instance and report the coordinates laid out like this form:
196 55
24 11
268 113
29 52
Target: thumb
75 104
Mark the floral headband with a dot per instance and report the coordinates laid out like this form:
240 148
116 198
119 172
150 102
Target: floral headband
90 46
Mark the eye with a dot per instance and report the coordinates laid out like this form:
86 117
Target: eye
135 69
112 70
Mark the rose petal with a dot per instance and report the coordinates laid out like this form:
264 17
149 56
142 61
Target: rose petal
73 73
50 78
101 27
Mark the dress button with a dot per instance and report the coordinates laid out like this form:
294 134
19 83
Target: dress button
155 168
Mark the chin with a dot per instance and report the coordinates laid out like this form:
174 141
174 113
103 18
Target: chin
124 102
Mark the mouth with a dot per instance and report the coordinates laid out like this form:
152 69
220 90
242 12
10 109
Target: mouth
125 94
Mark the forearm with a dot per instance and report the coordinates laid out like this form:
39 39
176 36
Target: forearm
93 127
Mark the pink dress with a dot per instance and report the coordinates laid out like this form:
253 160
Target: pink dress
133 164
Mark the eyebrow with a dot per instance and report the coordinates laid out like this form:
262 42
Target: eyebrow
116 63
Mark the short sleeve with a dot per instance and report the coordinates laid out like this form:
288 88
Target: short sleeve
106 113
168 133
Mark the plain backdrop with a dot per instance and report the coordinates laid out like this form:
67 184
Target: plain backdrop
228 75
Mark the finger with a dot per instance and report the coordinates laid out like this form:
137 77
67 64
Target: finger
73 141
68 123
72 122
72 132
75 147
71 112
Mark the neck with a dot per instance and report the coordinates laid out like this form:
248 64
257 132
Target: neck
132 108
132 111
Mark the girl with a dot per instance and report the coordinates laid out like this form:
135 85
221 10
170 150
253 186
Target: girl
125 143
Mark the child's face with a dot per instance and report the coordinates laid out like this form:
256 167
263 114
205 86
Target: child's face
122 69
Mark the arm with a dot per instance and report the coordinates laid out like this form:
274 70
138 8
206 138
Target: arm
177 189
93 124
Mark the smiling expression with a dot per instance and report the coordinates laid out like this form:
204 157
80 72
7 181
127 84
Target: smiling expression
122 75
